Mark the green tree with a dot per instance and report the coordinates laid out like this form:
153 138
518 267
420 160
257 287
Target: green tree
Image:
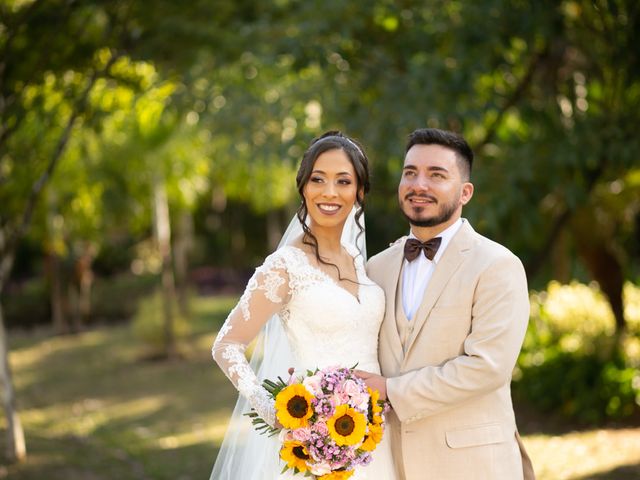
52 53
547 92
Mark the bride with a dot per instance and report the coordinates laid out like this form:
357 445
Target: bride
311 306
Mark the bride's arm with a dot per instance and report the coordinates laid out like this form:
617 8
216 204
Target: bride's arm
265 295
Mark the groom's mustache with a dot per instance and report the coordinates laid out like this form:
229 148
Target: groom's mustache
411 195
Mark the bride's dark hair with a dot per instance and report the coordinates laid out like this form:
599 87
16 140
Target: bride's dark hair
332 140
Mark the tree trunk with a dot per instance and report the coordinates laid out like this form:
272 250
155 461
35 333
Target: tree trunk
73 300
274 229
238 239
533 266
561 258
163 238
16 448
181 248
84 278
81 281
58 317
607 271
55 266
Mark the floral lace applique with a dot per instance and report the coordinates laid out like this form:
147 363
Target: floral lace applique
263 297
248 384
270 282
323 322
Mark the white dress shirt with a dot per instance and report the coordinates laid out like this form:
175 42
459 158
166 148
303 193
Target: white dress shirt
416 274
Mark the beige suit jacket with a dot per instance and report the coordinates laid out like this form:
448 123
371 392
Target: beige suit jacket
452 414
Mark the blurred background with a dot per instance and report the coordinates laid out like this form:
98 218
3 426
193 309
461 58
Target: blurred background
148 153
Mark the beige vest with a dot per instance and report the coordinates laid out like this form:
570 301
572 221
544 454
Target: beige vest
403 324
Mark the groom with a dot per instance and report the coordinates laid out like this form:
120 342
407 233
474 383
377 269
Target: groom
456 313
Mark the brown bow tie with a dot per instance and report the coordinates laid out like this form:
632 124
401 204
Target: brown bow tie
413 246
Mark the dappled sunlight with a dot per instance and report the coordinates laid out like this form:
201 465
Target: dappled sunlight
36 462
217 424
28 356
578 454
58 352
79 357
89 401
583 309
192 437
84 417
92 395
217 432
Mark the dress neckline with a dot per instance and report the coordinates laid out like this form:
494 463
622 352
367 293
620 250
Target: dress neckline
328 277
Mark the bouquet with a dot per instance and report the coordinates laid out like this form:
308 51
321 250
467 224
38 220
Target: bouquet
331 422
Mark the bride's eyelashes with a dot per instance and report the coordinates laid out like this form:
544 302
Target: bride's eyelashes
341 181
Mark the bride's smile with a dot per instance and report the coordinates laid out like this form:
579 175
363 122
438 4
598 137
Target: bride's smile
328 208
331 190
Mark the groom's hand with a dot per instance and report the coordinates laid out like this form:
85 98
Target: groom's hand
374 382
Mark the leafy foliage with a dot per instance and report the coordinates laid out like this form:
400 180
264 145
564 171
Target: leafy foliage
566 364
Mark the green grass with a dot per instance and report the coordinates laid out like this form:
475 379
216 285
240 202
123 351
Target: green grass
94 408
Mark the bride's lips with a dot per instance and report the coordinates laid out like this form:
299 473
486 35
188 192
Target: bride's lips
328 208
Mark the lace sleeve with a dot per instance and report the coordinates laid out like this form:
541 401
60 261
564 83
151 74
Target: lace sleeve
265 295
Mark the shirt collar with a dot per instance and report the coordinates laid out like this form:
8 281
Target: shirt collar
446 236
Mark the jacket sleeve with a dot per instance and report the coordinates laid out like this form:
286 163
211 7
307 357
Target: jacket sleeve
500 314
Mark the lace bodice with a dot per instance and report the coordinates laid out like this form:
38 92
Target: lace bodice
325 324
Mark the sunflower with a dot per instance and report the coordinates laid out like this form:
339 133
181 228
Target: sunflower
337 475
347 426
373 437
295 454
375 409
293 406
375 398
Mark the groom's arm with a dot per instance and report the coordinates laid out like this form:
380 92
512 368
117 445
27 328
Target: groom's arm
500 314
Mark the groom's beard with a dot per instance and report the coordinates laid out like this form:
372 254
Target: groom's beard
445 212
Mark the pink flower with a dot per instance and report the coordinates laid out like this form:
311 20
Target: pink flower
339 399
360 400
321 428
302 434
351 454
312 384
351 388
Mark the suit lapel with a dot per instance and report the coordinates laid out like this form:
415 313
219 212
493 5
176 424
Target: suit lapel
446 267
390 287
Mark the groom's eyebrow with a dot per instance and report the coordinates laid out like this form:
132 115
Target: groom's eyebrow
432 168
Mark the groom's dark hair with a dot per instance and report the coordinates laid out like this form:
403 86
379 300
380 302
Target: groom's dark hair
435 136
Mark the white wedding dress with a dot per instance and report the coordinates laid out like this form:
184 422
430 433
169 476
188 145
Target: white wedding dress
325 325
